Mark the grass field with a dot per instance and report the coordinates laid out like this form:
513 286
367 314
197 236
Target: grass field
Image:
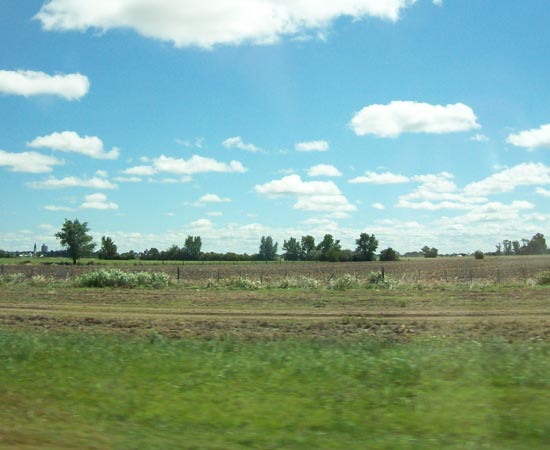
402 366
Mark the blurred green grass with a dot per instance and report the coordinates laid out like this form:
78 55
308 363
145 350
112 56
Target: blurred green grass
94 391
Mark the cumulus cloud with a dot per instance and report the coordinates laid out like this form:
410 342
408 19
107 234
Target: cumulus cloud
323 196
71 182
535 138
98 201
237 142
398 117
71 142
323 170
312 146
207 24
180 166
28 162
479 138
378 206
380 178
28 83
525 174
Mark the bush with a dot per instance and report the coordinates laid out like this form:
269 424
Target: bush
544 278
119 278
344 282
479 254
389 254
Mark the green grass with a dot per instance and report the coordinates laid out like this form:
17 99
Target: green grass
85 391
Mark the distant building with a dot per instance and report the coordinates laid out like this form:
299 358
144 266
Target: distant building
44 249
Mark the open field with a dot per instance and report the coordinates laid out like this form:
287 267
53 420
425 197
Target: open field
420 364
504 269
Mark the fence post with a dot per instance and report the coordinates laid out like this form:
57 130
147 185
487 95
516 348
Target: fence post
383 273
178 273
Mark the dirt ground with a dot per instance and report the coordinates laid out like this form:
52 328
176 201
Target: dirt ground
512 313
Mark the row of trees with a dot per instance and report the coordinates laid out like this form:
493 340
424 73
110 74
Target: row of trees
75 238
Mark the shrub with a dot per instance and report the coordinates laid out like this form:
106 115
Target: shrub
243 283
344 282
479 254
544 278
389 254
118 278
13 278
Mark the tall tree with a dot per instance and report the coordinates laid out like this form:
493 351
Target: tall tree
309 251
329 249
366 246
74 236
292 249
429 252
537 245
108 249
192 248
268 249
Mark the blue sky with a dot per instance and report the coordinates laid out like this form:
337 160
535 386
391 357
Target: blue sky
423 122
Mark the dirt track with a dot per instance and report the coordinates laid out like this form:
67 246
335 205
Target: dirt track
518 313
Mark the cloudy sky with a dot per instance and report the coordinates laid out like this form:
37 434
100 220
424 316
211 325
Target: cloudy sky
425 122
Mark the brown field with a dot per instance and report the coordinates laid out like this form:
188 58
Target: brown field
509 269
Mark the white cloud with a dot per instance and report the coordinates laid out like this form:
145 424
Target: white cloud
214 22
211 198
71 142
71 182
380 178
98 201
237 142
535 138
479 138
378 206
58 208
201 226
28 162
127 179
543 192
28 83
180 166
312 146
412 117
525 174
323 170
322 196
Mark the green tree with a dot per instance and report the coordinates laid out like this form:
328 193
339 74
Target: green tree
366 246
507 247
537 245
192 248
268 249
329 249
74 236
309 250
108 249
292 249
389 254
429 252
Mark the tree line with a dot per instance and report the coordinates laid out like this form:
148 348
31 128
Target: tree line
76 241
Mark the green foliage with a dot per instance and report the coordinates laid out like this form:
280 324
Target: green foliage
268 249
192 248
329 249
479 254
366 246
120 279
13 278
154 392
74 236
429 252
292 250
544 278
389 254
344 282
108 249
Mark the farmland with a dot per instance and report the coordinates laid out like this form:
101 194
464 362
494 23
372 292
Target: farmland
279 356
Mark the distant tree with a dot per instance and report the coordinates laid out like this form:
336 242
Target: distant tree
389 254
429 252
192 248
108 249
516 247
268 249
75 238
366 246
292 250
309 250
128 255
507 247
174 253
329 249
478 254
537 245
499 249
151 254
